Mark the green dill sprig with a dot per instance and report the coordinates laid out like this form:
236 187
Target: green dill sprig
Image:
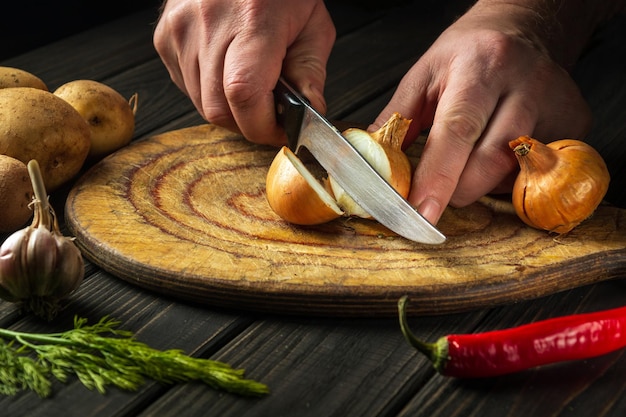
102 355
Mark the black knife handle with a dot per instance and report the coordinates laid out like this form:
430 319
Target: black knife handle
289 111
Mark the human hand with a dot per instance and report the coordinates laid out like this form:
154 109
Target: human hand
485 81
227 56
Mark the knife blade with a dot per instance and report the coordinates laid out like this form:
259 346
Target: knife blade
305 127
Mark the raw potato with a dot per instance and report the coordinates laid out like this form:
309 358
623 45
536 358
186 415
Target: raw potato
36 124
110 116
16 193
14 77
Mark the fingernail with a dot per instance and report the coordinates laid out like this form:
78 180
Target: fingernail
431 210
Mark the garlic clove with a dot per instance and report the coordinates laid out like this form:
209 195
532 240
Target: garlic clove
69 270
12 270
295 194
41 259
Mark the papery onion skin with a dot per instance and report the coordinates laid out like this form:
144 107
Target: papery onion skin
383 150
299 198
560 184
291 196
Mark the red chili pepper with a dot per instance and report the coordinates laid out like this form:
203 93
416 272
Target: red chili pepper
500 352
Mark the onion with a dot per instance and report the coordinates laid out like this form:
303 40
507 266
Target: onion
559 185
299 197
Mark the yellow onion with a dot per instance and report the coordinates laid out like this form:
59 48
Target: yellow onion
383 150
39 266
299 197
560 184
295 194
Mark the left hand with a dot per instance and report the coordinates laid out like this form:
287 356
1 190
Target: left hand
480 85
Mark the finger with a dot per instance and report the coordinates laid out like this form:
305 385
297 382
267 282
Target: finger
208 94
301 59
307 57
170 59
252 66
560 124
415 99
170 29
460 119
492 164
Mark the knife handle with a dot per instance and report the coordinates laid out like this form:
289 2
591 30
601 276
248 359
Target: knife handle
289 111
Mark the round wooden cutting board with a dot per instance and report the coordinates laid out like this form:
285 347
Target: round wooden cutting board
185 214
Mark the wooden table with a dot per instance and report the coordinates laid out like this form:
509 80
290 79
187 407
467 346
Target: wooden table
323 366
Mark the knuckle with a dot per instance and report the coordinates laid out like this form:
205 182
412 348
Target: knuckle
492 53
241 93
463 128
218 116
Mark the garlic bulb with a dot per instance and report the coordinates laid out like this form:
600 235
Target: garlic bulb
39 266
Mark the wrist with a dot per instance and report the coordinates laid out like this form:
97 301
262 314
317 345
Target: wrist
561 28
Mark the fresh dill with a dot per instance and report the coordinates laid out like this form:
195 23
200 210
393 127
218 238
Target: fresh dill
101 355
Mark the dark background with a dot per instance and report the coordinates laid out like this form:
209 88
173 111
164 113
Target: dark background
25 25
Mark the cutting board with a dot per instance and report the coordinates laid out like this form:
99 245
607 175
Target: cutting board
184 214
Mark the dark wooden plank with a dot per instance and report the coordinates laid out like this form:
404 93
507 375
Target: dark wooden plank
319 367
121 55
157 320
425 23
364 368
96 53
44 22
369 61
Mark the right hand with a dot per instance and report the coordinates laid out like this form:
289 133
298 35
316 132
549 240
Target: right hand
227 56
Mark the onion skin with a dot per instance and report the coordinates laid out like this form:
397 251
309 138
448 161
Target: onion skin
292 197
383 150
298 197
391 137
560 184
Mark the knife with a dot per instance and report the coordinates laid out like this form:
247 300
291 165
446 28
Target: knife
307 128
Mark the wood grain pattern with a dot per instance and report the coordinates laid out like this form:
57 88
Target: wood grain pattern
348 367
184 213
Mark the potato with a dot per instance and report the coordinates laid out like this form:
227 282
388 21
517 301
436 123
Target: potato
110 116
15 77
16 193
36 124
